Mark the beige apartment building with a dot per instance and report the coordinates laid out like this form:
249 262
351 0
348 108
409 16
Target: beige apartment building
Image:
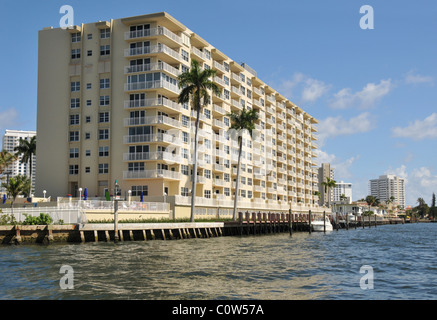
108 111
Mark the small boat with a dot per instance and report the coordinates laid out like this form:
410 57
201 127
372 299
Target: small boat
318 224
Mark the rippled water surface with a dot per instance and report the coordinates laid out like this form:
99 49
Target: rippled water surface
270 267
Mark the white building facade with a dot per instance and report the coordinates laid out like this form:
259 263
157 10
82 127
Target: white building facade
388 186
342 189
11 139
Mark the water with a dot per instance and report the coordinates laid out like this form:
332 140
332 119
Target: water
270 267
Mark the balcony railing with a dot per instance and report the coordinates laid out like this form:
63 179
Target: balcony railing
151 33
159 155
129 104
158 84
152 174
152 67
153 120
162 48
160 137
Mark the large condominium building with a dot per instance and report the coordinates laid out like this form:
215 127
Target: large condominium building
11 139
388 186
107 110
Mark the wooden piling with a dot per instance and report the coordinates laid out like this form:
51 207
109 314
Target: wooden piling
116 237
324 222
309 221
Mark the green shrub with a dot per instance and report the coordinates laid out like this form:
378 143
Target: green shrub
43 220
7 219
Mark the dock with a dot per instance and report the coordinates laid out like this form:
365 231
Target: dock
248 223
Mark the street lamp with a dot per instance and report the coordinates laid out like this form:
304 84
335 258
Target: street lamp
44 192
130 194
80 193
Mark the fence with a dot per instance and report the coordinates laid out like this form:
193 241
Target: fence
66 216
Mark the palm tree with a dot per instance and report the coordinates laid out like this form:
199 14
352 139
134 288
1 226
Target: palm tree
195 84
329 184
6 158
15 187
245 120
26 149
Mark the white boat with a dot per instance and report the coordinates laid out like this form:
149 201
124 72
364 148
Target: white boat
318 224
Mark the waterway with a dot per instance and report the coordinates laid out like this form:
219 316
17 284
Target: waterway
402 258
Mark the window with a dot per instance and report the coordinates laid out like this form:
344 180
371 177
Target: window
89 53
243 193
227 192
74 119
89 86
226 80
226 65
103 117
87 135
226 177
185 153
105 33
104 151
103 168
136 166
207 174
104 83
87 169
88 103
104 134
207 113
89 36
104 101
249 194
88 119
74 153
207 194
87 153
185 137
226 94
185 55
75 103
185 121
75 86
76 37
184 192
207 54
184 170
105 50
136 191
74 169
226 122
75 54
74 136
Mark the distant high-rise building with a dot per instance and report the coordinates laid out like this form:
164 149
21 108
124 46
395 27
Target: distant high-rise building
11 139
325 171
342 189
388 186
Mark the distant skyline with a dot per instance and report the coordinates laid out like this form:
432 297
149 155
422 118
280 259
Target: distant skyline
373 91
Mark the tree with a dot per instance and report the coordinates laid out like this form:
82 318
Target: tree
329 184
195 84
6 158
433 208
422 209
16 186
241 122
27 149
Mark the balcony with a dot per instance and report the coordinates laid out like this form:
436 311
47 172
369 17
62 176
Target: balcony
219 66
153 103
220 82
152 174
161 50
162 32
168 157
199 54
168 88
221 110
149 138
220 168
153 120
160 66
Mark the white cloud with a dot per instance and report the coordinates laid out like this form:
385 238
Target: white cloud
312 89
341 167
7 118
338 126
418 130
412 78
366 98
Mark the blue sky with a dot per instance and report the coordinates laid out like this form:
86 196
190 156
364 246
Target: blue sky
373 91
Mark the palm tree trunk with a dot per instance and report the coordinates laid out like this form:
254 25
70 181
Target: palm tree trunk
193 189
237 184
